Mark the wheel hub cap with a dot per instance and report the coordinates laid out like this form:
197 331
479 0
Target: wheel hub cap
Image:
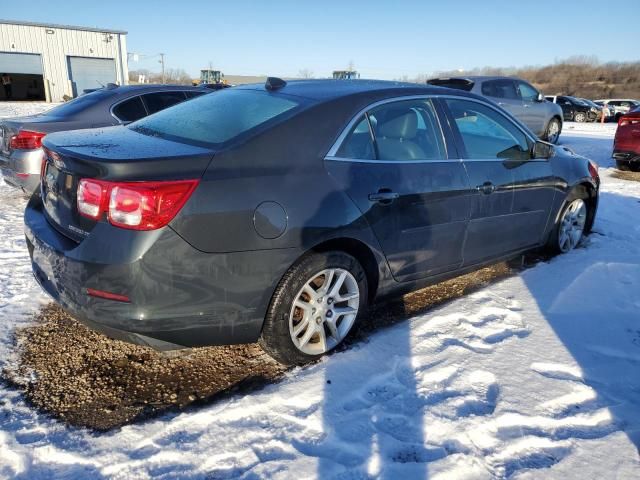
572 225
324 311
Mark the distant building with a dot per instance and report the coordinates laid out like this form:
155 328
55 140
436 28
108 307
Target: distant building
47 62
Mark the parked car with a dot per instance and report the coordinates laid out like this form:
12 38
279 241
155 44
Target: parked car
609 112
516 96
575 109
600 110
620 105
21 138
626 144
278 213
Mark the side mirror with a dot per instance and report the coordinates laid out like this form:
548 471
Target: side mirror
540 98
541 150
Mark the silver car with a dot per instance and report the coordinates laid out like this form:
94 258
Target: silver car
516 96
21 151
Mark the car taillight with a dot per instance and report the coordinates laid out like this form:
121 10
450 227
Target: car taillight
134 205
629 120
91 198
593 171
26 140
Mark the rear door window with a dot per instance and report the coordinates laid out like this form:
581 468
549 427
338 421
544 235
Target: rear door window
407 130
359 143
160 100
502 88
130 110
402 131
486 134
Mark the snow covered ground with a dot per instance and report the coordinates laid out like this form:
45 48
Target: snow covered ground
536 376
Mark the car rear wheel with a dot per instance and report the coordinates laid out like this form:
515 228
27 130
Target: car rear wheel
314 307
579 117
570 229
553 131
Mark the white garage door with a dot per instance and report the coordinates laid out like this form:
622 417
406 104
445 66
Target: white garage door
29 63
90 73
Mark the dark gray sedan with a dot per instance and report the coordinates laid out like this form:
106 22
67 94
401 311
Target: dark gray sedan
277 212
21 138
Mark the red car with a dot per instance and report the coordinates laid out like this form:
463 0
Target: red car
626 145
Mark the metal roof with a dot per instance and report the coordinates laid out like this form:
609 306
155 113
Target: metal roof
65 27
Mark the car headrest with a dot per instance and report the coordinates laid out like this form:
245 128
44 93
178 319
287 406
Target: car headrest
405 126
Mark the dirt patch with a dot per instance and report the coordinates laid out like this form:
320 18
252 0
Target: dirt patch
626 175
89 380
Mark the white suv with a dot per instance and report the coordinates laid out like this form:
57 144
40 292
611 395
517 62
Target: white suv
619 105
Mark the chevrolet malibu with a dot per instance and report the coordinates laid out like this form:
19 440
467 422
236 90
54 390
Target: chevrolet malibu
276 213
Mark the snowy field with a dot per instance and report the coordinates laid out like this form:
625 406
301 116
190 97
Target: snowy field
535 376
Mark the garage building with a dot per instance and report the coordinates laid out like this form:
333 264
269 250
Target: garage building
50 62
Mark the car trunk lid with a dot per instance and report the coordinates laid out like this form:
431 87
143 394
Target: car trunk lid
112 154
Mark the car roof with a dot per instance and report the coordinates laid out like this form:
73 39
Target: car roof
327 89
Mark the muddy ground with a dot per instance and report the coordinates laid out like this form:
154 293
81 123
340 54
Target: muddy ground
87 379
626 175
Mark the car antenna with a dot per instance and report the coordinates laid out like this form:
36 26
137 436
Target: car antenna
274 83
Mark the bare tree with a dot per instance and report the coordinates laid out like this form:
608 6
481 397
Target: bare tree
305 73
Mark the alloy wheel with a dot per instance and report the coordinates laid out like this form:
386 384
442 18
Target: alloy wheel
572 225
324 310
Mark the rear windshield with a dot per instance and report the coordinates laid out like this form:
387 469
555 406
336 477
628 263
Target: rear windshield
79 104
457 83
216 118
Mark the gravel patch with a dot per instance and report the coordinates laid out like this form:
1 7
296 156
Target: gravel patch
89 380
626 175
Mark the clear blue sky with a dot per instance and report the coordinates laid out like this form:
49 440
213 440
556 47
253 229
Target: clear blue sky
384 39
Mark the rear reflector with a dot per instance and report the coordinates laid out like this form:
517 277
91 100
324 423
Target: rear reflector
107 295
134 205
26 140
593 171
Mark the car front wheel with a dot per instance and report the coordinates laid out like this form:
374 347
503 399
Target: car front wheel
579 117
314 307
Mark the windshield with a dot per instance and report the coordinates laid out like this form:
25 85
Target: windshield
79 104
216 118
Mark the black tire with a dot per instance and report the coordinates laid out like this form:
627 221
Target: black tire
548 130
580 117
553 245
275 338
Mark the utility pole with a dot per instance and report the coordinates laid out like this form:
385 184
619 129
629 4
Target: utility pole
162 62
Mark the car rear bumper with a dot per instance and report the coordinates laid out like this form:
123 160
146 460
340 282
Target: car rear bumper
625 156
179 296
22 169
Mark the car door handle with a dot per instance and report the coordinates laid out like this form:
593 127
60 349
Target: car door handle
526 106
383 196
486 188
502 104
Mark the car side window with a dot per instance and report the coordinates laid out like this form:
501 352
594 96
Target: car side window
486 134
358 144
502 88
407 130
130 110
160 100
527 92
